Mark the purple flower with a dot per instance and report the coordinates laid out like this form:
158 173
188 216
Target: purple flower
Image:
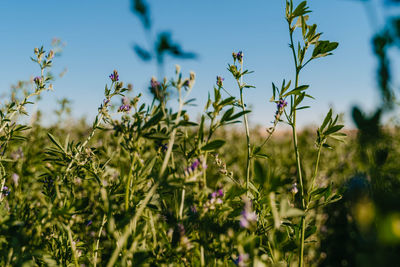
6 191
220 192
89 223
248 217
241 259
37 80
154 84
281 104
124 108
193 209
239 56
114 76
220 81
213 195
106 102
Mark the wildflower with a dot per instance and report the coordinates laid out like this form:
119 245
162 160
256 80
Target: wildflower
220 192
6 191
214 198
280 105
220 81
241 259
294 189
239 56
114 76
154 84
37 80
193 209
89 222
125 107
248 217
15 178
106 102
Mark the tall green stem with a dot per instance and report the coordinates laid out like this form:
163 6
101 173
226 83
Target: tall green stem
297 153
246 125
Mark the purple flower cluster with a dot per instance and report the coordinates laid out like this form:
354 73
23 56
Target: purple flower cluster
241 260
106 102
37 80
6 191
154 84
215 198
125 107
238 56
194 166
249 217
220 81
280 105
114 76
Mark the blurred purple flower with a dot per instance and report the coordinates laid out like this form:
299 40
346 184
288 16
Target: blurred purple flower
15 178
220 81
154 84
125 108
248 217
241 259
6 191
37 80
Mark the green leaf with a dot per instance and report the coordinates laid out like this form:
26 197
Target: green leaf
215 144
328 117
301 10
333 129
227 114
55 141
296 91
322 48
237 115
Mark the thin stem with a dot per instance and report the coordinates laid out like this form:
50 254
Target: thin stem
315 174
182 204
297 153
246 125
98 240
128 184
73 247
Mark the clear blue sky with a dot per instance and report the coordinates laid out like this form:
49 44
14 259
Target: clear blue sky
99 35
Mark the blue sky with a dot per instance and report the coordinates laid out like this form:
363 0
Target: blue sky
99 36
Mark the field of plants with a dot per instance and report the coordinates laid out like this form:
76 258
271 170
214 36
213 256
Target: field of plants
146 185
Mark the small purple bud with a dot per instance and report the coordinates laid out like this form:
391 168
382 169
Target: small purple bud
220 192
114 76
193 209
214 194
89 223
37 80
154 84
239 56
220 81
